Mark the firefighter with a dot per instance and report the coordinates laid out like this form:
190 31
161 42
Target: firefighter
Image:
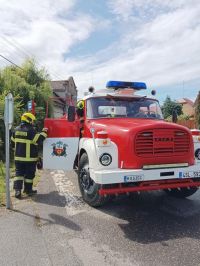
26 141
80 113
80 108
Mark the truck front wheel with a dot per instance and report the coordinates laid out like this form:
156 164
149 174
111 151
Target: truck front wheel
182 193
89 189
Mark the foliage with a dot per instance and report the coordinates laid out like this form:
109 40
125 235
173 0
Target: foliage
169 106
169 118
184 117
25 83
180 118
197 111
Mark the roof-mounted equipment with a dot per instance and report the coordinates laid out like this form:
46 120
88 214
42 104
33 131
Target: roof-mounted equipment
124 84
91 89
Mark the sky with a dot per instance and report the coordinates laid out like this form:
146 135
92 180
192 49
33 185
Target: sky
153 41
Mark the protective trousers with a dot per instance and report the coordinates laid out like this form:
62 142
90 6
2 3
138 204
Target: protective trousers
25 172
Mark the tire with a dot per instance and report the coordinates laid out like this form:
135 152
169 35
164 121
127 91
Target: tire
197 154
88 188
182 193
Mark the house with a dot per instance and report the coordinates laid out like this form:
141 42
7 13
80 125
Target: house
64 94
187 106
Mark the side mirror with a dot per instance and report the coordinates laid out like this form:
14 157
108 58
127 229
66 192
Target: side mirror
71 113
174 116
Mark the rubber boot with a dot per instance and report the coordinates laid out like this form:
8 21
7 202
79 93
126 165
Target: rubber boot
18 194
30 192
28 189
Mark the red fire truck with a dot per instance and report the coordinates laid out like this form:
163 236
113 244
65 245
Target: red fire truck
119 143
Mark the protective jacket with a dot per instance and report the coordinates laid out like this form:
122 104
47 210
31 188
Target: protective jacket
26 141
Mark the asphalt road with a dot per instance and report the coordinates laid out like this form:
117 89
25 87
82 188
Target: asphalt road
147 229
57 228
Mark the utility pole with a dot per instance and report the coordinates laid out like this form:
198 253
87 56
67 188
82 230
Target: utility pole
8 120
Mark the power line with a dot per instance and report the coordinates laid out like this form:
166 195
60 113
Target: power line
13 63
16 64
14 55
20 48
10 61
16 46
21 52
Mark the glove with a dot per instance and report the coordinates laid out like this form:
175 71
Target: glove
45 130
39 163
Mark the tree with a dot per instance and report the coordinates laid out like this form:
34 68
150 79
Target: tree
169 106
197 111
25 83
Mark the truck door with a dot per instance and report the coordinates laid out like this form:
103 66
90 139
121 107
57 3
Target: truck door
61 146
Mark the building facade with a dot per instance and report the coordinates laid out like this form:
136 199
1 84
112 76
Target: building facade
187 106
64 93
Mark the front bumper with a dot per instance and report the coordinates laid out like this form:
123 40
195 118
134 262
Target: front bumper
116 176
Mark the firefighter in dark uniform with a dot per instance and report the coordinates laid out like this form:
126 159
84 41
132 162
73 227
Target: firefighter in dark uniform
26 141
80 113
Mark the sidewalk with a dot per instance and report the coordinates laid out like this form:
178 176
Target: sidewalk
32 233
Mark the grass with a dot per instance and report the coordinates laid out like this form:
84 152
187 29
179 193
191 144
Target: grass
12 174
2 192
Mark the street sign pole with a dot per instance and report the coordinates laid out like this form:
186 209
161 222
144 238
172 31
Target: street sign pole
8 120
7 168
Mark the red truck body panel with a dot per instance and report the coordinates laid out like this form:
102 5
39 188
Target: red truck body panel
61 127
162 147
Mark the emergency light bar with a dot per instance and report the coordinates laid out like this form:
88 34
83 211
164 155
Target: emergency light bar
125 84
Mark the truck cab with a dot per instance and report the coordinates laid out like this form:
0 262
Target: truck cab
121 144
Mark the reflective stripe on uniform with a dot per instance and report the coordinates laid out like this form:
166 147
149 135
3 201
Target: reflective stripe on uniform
35 139
28 150
24 159
43 134
18 178
24 141
21 133
30 181
12 139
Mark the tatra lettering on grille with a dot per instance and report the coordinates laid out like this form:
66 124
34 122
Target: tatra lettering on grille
162 142
163 139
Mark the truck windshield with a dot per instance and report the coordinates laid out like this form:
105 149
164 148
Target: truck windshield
123 107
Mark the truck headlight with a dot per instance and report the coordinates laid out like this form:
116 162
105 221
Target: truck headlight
105 159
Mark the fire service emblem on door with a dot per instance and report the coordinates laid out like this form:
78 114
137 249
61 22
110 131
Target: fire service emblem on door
59 149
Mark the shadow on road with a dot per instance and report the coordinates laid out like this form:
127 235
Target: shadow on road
53 198
55 219
155 217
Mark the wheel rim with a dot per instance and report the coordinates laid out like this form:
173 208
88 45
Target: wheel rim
87 184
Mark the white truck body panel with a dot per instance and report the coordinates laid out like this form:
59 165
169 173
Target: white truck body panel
88 144
60 153
118 175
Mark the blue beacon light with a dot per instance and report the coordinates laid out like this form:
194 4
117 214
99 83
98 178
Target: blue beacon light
125 84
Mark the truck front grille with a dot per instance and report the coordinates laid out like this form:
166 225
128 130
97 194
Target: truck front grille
162 142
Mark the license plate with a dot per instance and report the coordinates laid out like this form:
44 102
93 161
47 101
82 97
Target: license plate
191 174
133 178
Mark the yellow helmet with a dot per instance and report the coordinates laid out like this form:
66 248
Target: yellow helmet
28 118
80 104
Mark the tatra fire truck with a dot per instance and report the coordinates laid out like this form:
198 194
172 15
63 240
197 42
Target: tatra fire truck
120 144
